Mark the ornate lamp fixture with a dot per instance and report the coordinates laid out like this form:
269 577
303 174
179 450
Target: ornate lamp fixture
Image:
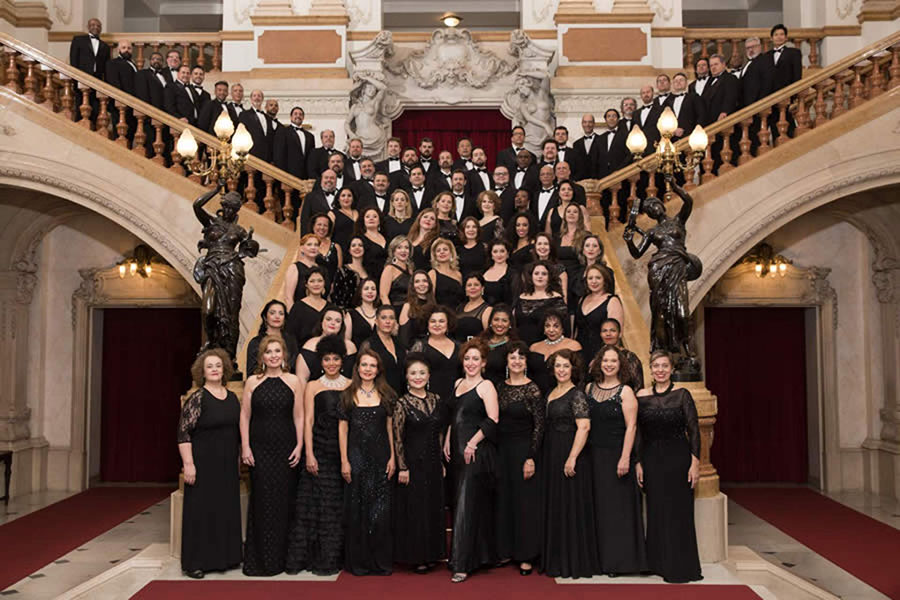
140 262
451 19
765 261
228 161
668 159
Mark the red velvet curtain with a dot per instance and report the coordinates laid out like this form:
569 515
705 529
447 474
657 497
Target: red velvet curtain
487 128
755 364
147 355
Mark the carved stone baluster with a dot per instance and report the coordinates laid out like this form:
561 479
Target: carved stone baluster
614 210
726 154
802 114
139 55
287 210
232 185
857 89
122 128
269 199
782 124
632 192
48 93
744 144
67 101
688 53
652 190
12 71
31 85
158 145
819 106
837 107
814 53
186 53
765 134
201 58
876 80
707 163
217 57
894 71
176 165
103 115
85 108
250 190
720 47
704 52
140 135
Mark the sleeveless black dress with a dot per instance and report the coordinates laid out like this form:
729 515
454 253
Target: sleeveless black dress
211 520
420 526
394 372
361 330
444 371
316 540
421 259
472 260
301 321
393 227
342 232
468 323
617 500
273 483
495 369
528 314
367 498
399 288
500 291
491 230
587 328
328 262
474 542
374 258
520 258
447 290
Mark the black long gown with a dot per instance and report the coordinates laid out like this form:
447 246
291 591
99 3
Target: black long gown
447 290
444 371
301 321
394 373
570 541
361 330
670 435
528 314
472 260
587 328
495 369
342 232
617 500
374 258
474 542
520 432
500 291
273 483
420 535
316 540
211 520
367 498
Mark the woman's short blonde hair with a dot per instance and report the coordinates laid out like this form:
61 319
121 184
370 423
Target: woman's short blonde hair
200 361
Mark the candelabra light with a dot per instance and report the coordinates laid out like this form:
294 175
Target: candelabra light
225 162
668 158
139 263
765 261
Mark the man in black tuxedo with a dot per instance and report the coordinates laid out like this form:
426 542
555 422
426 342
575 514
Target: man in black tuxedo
178 100
426 149
525 175
754 74
259 126
400 178
465 203
354 157
786 62
701 76
120 73
546 198
565 153
379 197
563 172
611 151
319 200
507 156
173 63
318 160
392 162
336 165
421 191
213 108
443 175
464 151
478 179
292 145
88 52
647 116
364 187
549 153
628 107
505 191
236 104
201 97
150 86
272 109
687 106
721 96
586 150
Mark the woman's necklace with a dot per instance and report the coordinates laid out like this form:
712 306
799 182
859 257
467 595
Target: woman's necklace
665 391
500 341
363 312
368 393
337 383
554 342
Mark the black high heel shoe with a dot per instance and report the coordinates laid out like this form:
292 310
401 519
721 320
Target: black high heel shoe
524 572
195 574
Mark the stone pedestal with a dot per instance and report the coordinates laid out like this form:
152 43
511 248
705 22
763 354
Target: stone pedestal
707 409
711 524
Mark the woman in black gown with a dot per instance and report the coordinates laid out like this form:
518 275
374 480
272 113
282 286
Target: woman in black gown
413 314
422 233
611 332
369 229
346 282
470 446
520 238
330 255
394 282
273 316
271 439
498 279
343 217
420 419
520 432
209 443
366 440
389 348
541 293
570 541
399 217
362 318
498 336
545 250
445 208
669 468
490 223
472 252
305 313
316 537
441 352
444 273
591 254
617 498
598 305
473 315
309 363
539 352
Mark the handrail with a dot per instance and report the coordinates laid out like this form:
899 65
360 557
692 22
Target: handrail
192 43
9 71
837 72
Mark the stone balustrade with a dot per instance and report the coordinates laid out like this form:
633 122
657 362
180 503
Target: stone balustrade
703 43
203 49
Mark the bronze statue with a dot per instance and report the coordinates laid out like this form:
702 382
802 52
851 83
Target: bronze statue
668 272
220 272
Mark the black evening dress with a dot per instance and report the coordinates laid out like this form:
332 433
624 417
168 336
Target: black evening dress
474 542
449 230
393 227
617 500
211 521
412 331
301 321
374 258
568 258
528 315
520 258
444 371
342 232
253 352
420 534
316 540
637 369
500 291
394 372
346 281
421 258
587 328
491 230
539 372
570 540
361 329
447 290
273 483
670 435
520 432
367 498
399 288
328 262
313 363
578 286
472 260
468 322
495 369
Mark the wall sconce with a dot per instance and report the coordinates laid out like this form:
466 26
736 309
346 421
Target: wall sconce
450 19
140 262
765 262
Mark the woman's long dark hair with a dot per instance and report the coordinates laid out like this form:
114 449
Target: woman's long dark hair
386 393
553 284
263 326
512 238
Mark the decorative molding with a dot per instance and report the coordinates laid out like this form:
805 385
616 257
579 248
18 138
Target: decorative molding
360 13
8 130
821 292
602 19
845 8
63 10
664 9
585 103
299 20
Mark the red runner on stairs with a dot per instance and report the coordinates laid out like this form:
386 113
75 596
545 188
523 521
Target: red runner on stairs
30 542
866 548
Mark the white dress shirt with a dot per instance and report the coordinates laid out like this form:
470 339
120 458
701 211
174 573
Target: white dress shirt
588 142
544 200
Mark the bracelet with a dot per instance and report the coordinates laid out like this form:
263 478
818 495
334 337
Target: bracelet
472 448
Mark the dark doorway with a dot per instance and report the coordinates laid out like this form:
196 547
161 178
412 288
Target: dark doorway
146 360
487 128
756 365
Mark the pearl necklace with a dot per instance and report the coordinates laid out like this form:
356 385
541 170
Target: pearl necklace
553 343
338 383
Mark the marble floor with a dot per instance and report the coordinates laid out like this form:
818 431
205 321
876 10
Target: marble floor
152 527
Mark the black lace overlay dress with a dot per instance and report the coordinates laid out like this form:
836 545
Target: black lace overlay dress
472 260
570 540
468 322
617 500
211 520
367 498
491 230
420 535
500 291
587 328
316 540
636 367
520 432
528 315
273 483
474 542
670 435
447 290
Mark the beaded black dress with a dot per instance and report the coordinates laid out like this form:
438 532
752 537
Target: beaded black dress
617 500
528 314
273 483
316 540
474 542
420 535
520 432
211 520
670 435
346 281
569 542
367 498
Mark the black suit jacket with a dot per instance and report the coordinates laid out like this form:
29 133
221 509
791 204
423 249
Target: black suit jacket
208 115
692 113
788 69
121 73
383 166
439 181
588 160
507 202
262 140
469 209
611 158
573 159
460 163
428 193
201 99
474 184
287 153
720 96
318 161
149 88
397 180
179 104
234 114
756 82
314 202
542 218
507 158
81 56
530 181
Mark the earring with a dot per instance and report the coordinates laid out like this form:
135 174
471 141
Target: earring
283 366
507 372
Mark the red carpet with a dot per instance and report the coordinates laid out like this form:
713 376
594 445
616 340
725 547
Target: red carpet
494 585
862 546
32 541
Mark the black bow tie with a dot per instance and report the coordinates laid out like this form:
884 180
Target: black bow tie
259 111
418 189
458 195
590 136
677 95
424 160
331 193
500 190
704 78
779 49
355 161
297 128
394 160
480 169
547 190
647 107
93 37
521 169
383 197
